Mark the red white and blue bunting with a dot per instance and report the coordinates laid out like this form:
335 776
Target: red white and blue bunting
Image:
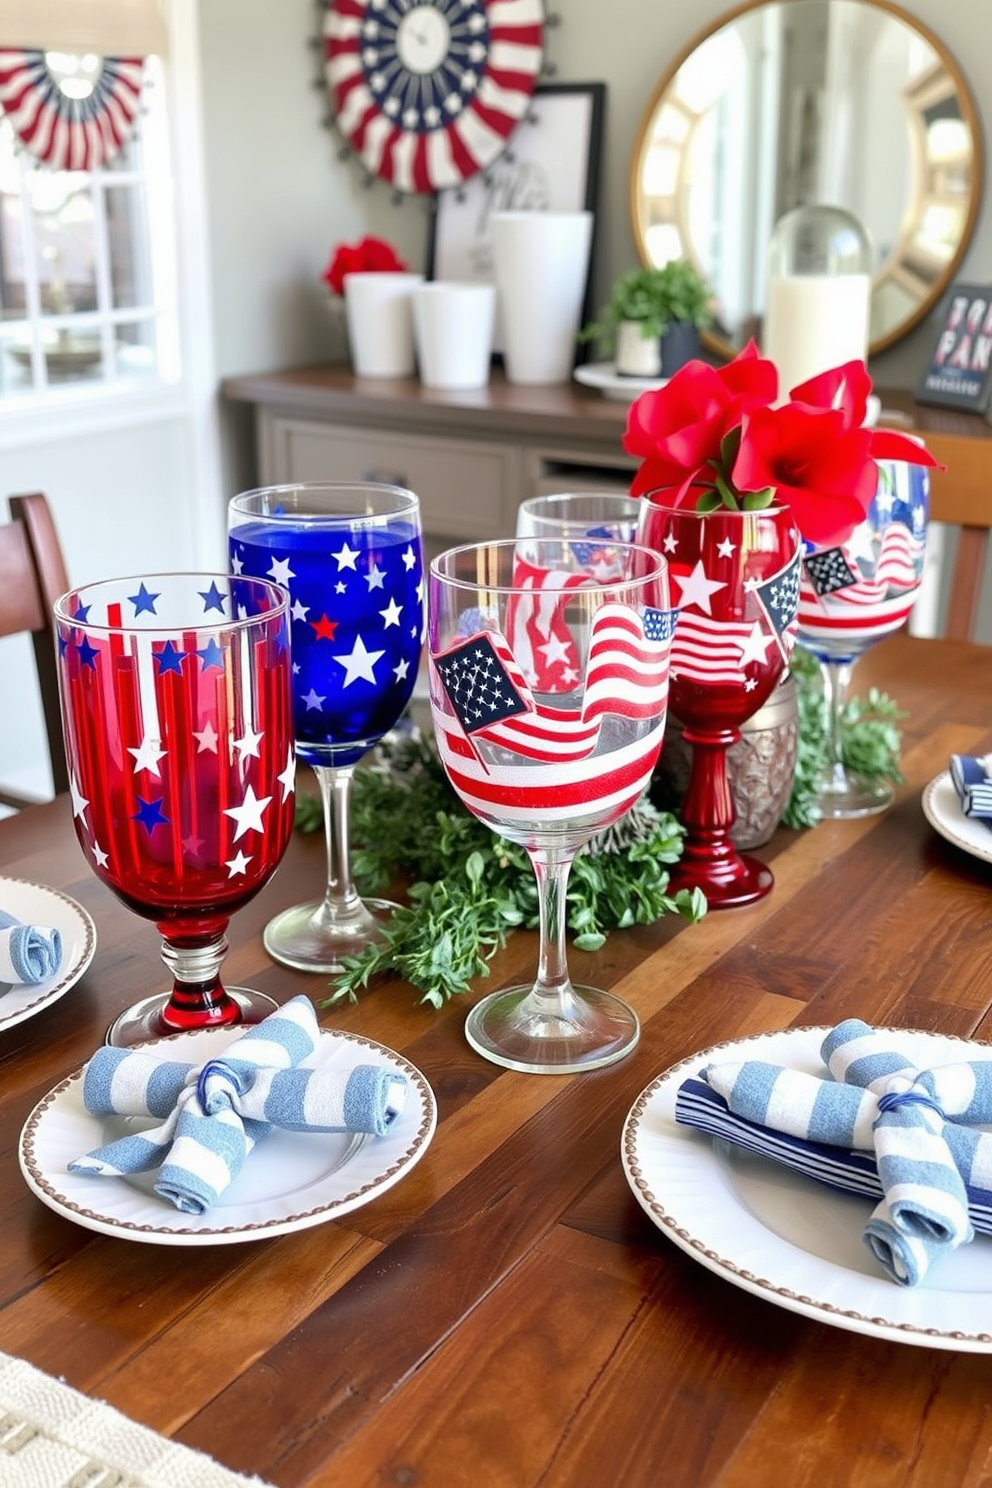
70 133
428 94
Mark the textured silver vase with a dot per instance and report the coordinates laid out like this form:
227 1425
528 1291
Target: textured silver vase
760 767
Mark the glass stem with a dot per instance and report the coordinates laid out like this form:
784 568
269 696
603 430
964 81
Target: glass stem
341 897
551 867
836 681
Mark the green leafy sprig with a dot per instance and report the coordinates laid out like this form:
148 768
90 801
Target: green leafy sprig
870 739
470 888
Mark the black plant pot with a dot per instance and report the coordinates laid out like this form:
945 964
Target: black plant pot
679 344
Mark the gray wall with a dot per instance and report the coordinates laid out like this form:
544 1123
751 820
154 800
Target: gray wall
279 196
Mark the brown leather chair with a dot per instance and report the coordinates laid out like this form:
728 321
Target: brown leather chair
32 576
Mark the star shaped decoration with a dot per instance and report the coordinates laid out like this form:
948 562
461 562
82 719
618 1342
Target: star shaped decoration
248 816
556 650
79 801
237 563
144 603
755 647
861 545
280 572
670 543
149 814
247 745
87 653
375 578
287 779
237 865
409 558
391 614
212 598
299 611
345 557
211 655
401 670
323 628
340 587
147 756
726 549
206 739
191 846
313 701
697 588
101 857
169 659
359 663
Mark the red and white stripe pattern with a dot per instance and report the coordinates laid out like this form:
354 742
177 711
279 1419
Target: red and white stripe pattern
709 650
435 129
536 627
70 133
872 606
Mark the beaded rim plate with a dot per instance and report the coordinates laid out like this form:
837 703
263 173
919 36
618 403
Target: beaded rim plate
289 1182
942 810
784 1237
35 904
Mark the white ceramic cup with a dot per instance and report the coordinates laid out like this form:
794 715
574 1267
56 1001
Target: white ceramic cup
541 261
379 310
453 333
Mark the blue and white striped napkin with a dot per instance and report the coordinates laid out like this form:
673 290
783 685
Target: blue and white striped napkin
212 1115
29 954
917 1129
971 779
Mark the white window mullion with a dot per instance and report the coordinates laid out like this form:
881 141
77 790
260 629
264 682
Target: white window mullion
101 265
32 285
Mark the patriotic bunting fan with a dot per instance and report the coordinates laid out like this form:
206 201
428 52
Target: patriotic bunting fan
66 133
428 94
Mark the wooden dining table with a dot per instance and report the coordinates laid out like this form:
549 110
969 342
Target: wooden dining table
509 1314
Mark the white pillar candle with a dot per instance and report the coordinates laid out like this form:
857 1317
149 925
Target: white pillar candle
814 322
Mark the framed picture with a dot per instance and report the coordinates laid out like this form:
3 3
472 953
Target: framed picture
959 371
551 165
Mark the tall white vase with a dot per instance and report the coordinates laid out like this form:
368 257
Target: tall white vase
379 308
541 261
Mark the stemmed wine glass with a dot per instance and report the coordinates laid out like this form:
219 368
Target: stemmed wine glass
178 729
548 770
851 596
351 558
736 577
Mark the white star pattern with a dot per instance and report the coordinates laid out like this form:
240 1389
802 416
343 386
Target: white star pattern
345 557
79 801
281 572
237 564
391 614
237 864
726 549
340 587
147 756
359 662
697 588
247 745
288 777
755 648
375 577
670 543
248 816
206 739
401 670
556 650
409 559
313 701
98 853
299 611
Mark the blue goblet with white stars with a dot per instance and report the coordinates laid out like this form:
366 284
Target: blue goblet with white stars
351 558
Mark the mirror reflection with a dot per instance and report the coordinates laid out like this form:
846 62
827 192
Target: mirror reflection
843 102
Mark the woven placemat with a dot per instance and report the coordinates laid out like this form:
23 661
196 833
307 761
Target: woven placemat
51 1436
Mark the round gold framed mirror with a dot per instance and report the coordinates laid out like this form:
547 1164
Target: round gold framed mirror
780 103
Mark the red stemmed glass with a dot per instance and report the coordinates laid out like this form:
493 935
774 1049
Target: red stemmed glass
178 725
735 580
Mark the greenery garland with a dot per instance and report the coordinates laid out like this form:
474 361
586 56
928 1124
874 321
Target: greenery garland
468 888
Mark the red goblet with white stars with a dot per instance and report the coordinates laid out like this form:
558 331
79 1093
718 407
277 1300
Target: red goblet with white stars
735 578
351 559
178 728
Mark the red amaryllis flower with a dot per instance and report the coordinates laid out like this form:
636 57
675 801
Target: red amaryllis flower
846 388
368 256
678 430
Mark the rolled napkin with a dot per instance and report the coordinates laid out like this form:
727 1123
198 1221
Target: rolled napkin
29 954
212 1115
920 1126
971 779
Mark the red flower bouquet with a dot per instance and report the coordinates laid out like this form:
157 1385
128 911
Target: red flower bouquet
368 256
712 437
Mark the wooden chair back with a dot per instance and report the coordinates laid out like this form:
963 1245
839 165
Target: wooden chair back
961 497
32 576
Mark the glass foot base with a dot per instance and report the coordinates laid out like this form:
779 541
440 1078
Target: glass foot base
143 1021
595 1030
306 938
848 795
729 884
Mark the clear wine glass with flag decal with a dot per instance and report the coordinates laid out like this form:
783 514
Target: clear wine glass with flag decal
547 761
851 596
351 558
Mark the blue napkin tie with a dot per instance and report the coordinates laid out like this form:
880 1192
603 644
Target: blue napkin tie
973 785
213 1114
29 954
919 1126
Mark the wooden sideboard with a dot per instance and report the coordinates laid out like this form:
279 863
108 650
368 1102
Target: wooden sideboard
473 456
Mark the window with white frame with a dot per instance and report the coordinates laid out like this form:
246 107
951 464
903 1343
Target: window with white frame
87 266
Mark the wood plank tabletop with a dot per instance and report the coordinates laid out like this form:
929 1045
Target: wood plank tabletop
508 1314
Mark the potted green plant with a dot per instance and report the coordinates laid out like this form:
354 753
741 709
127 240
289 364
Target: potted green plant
653 319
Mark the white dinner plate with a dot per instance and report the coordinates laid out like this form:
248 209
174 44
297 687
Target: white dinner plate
787 1238
604 376
290 1181
34 904
942 810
